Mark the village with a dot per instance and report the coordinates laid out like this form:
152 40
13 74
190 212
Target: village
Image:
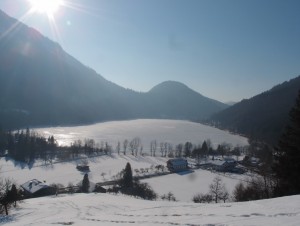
227 165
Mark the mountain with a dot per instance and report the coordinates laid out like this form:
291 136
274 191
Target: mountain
173 99
263 116
40 84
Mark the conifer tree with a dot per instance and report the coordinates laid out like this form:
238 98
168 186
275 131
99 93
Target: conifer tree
85 183
127 180
287 156
14 195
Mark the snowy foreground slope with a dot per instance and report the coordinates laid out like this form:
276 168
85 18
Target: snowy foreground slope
106 209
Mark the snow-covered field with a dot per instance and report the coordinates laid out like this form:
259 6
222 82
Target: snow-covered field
184 185
171 131
106 209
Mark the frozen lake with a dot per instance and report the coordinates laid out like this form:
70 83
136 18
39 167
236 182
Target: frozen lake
171 131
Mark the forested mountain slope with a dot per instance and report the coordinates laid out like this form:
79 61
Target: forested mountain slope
263 116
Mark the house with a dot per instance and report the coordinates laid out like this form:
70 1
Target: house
226 165
175 165
223 165
36 188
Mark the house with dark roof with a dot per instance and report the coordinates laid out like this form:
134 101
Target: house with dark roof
175 165
36 188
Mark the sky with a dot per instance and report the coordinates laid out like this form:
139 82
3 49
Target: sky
227 50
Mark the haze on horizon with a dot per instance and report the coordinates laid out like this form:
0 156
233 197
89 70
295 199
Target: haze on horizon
226 50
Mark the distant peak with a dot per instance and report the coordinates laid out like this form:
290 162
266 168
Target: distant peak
169 85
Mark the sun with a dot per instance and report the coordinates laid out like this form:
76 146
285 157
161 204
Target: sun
48 7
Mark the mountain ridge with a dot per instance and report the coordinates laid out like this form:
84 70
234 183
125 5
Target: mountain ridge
41 84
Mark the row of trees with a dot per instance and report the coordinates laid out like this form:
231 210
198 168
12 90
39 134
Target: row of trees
27 145
165 149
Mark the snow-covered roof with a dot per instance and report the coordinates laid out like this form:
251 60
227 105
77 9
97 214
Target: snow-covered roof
33 186
177 162
217 162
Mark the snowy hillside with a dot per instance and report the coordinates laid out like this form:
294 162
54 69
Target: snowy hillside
106 209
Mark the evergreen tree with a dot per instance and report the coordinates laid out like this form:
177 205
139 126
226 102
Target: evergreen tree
14 195
85 183
204 148
127 180
287 156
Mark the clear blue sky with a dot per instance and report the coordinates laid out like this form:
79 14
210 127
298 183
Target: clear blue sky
224 49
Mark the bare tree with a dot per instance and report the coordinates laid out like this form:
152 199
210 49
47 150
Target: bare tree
153 146
134 145
178 150
170 197
8 195
197 153
187 149
107 148
161 145
168 148
125 145
118 148
217 188
89 145
141 150
224 148
225 195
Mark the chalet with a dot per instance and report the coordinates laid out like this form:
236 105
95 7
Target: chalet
175 165
36 188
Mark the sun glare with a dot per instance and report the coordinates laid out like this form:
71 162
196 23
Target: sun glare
45 6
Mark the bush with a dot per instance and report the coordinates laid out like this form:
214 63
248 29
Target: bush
144 191
132 186
202 198
170 197
138 189
254 190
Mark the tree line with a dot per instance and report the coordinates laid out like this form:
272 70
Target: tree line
27 146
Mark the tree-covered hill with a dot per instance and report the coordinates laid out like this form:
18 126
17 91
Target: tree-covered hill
263 116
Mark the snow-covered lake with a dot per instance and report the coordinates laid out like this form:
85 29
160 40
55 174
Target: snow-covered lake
171 131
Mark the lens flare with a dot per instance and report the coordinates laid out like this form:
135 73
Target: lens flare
45 6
